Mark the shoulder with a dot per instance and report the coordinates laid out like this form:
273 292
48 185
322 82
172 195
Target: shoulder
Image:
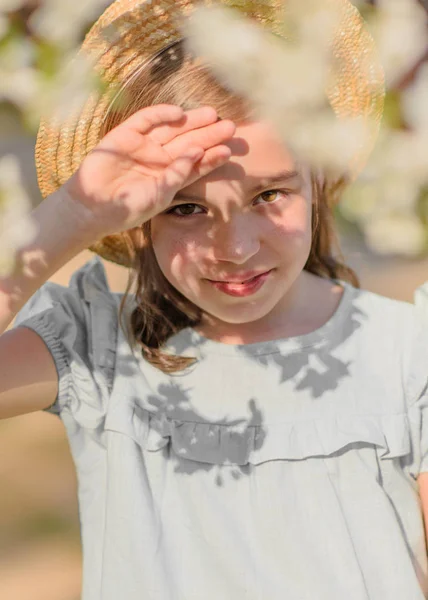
87 284
80 319
381 312
79 325
378 302
389 325
392 333
367 310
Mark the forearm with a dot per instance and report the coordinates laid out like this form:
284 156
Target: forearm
61 234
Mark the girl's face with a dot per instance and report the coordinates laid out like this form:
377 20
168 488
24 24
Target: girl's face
250 216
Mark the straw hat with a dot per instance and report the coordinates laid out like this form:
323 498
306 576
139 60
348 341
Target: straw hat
142 29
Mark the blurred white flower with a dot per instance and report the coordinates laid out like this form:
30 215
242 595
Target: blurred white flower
25 86
285 82
11 5
391 182
396 233
62 21
19 87
415 102
398 194
313 22
19 81
68 92
16 226
254 62
328 141
400 32
400 151
359 202
17 54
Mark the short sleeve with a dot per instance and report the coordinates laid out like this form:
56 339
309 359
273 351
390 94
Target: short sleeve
417 389
78 324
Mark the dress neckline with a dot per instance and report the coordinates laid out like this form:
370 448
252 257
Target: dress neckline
190 338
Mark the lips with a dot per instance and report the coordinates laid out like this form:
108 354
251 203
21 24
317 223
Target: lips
244 278
242 289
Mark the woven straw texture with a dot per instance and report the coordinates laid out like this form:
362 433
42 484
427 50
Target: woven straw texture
142 29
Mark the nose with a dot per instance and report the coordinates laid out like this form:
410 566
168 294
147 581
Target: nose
236 240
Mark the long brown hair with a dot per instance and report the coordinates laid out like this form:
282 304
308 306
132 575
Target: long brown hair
161 311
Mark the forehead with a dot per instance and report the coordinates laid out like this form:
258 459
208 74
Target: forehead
258 154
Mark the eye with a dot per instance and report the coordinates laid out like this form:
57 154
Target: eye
186 210
271 196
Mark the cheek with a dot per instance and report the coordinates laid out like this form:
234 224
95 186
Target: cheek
293 224
175 254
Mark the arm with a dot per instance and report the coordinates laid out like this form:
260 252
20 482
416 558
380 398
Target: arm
62 234
28 377
28 380
423 493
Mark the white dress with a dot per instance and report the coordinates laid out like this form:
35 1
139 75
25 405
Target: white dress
281 470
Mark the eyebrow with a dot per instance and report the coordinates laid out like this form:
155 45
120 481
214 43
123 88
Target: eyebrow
275 179
265 183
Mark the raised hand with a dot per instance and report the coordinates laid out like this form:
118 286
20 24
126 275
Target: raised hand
138 167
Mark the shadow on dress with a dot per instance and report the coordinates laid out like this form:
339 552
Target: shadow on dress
170 403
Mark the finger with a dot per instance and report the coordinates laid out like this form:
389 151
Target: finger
159 114
205 137
178 172
212 159
192 119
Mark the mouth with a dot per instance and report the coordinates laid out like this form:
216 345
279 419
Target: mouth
243 288
244 279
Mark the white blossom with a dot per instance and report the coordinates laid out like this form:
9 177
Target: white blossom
20 87
17 229
62 21
286 82
255 63
17 54
391 182
313 22
359 202
328 142
69 91
415 102
399 30
400 152
396 233
11 5
25 86
19 81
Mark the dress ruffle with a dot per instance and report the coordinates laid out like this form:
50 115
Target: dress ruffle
225 444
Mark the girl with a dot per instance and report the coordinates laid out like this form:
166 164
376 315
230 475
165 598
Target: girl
255 425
